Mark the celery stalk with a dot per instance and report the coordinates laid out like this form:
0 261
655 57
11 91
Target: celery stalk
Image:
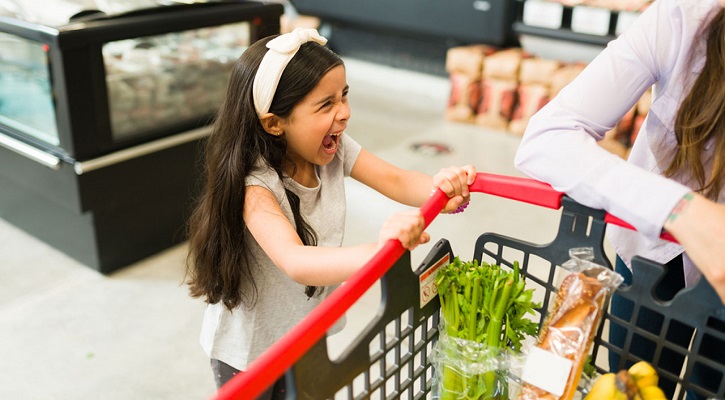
484 304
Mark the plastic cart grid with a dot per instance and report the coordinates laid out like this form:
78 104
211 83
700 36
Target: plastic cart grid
390 358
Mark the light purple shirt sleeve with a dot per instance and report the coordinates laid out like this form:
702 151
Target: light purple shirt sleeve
559 146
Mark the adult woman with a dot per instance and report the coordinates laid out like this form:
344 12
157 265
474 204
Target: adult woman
674 178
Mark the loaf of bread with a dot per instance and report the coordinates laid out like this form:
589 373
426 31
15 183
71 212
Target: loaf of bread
570 328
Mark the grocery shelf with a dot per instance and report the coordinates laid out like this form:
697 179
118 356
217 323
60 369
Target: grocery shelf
573 23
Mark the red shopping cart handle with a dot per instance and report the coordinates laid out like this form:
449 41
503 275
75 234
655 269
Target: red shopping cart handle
285 352
535 192
515 188
611 219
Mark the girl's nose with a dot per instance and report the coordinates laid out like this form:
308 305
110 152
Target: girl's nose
343 113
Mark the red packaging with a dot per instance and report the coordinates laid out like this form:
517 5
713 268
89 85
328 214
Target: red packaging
464 98
531 98
498 99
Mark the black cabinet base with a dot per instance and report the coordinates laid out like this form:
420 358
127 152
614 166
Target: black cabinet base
130 217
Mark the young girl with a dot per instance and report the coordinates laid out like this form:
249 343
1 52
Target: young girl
265 237
674 178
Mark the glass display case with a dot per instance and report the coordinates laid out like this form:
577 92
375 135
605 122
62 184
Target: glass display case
116 74
103 105
26 101
156 81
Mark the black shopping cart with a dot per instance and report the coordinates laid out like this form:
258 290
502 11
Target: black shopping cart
390 358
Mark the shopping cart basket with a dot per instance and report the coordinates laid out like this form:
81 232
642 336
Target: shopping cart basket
390 358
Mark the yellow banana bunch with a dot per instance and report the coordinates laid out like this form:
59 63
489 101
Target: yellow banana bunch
650 393
644 374
607 387
639 382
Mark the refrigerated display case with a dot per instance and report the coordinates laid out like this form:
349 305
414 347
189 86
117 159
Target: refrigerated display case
103 107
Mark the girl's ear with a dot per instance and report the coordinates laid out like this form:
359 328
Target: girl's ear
272 124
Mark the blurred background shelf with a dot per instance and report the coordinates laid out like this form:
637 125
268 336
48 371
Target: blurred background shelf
411 34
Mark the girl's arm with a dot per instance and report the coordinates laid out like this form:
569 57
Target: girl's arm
413 187
699 225
312 265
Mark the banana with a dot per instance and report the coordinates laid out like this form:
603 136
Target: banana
625 384
639 382
644 374
652 393
605 388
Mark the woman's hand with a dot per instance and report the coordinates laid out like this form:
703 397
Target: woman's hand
407 227
699 225
454 181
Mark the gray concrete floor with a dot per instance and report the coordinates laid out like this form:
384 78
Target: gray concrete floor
67 332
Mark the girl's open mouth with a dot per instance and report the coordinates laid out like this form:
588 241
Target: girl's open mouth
330 142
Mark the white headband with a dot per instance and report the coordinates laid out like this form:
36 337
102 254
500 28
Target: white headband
281 50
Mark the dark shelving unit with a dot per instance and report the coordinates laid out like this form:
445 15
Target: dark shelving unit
102 119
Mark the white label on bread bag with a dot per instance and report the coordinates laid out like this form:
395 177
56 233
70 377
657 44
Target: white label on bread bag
546 371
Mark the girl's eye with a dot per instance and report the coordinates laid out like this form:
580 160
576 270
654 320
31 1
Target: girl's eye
330 103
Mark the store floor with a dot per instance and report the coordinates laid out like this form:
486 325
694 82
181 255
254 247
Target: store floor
67 332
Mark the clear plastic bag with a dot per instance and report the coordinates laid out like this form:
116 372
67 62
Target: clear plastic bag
466 369
554 366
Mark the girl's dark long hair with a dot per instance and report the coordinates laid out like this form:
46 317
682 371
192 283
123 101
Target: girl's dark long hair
219 266
701 117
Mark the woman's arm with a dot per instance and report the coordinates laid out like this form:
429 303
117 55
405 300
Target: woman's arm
413 187
312 265
699 225
559 146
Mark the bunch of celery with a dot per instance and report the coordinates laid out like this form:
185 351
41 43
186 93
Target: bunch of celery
485 304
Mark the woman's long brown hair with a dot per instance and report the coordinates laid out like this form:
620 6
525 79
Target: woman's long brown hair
219 267
701 118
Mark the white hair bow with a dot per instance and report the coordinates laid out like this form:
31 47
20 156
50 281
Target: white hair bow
281 50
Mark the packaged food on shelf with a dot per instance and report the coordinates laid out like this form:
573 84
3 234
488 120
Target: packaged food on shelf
465 95
464 65
534 90
499 83
538 70
498 98
530 98
504 64
591 20
564 75
613 5
468 60
543 14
